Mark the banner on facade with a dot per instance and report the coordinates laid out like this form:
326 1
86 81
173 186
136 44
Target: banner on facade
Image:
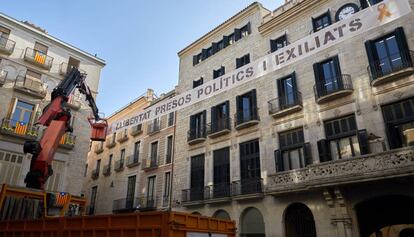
362 21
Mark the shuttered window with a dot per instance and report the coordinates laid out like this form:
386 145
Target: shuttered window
10 167
240 62
219 72
321 21
278 43
198 82
41 48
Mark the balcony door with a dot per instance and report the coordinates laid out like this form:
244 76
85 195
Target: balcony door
22 113
129 202
287 91
154 153
136 151
250 167
221 178
151 192
197 178
246 107
93 200
220 117
327 75
198 125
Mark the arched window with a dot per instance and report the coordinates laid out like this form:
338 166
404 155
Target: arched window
299 221
251 223
221 214
196 213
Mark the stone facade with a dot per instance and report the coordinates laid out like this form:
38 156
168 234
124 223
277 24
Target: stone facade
333 191
25 86
111 177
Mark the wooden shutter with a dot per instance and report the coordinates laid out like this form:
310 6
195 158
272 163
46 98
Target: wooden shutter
204 121
239 109
307 153
293 77
214 48
313 24
402 45
273 46
279 161
238 62
237 34
225 41
254 98
203 54
371 53
227 108
249 28
318 76
247 59
213 118
12 107
280 90
364 3
324 150
338 71
329 17
222 70
363 141
192 123
194 60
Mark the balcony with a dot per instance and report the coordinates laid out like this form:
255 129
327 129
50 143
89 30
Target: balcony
288 104
193 197
64 69
106 170
219 127
99 148
67 141
111 142
217 193
136 130
378 166
3 77
30 86
6 45
19 129
38 58
150 163
154 127
122 136
391 68
133 160
125 205
165 201
195 136
246 118
119 165
95 174
333 88
247 189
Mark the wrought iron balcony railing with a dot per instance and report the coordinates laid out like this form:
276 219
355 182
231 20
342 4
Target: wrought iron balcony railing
3 77
19 128
136 130
95 174
106 171
193 194
68 141
30 86
331 88
218 127
134 203
150 163
38 58
122 136
380 69
286 102
196 135
119 165
247 186
99 148
6 45
246 117
64 68
111 141
133 160
154 127
220 190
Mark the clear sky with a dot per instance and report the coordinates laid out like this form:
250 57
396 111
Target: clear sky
138 39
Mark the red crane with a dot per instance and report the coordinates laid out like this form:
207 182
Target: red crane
56 118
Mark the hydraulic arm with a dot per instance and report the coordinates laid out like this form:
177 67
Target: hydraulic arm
56 118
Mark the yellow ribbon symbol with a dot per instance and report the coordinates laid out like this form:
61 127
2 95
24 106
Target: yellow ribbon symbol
383 12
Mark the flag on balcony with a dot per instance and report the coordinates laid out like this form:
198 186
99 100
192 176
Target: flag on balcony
61 199
40 58
21 128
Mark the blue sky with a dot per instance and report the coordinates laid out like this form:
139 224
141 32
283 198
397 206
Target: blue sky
138 39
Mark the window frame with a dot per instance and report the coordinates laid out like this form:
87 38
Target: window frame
319 18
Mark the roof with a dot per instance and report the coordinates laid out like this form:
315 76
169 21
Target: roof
217 28
52 38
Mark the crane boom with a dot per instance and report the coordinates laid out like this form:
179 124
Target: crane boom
56 118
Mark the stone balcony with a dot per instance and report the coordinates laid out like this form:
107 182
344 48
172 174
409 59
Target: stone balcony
384 165
67 141
38 58
3 77
30 86
6 45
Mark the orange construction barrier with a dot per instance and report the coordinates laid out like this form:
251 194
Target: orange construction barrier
139 224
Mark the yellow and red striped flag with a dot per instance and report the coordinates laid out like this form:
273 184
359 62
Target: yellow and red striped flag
61 199
21 128
40 57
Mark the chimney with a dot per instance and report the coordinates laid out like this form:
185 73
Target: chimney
150 94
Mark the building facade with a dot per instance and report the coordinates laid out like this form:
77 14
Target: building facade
32 63
319 147
131 170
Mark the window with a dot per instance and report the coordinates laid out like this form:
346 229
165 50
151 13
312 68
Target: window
98 165
250 167
171 119
388 54
167 188
219 72
230 39
208 52
129 202
246 107
278 43
198 82
398 117
328 76
343 140
197 59
94 192
110 160
321 21
122 158
220 117
4 36
221 179
41 48
72 63
197 125
240 62
154 154
368 3
220 45
23 113
293 152
243 32
137 145
33 75
197 178
168 157
151 191
287 91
